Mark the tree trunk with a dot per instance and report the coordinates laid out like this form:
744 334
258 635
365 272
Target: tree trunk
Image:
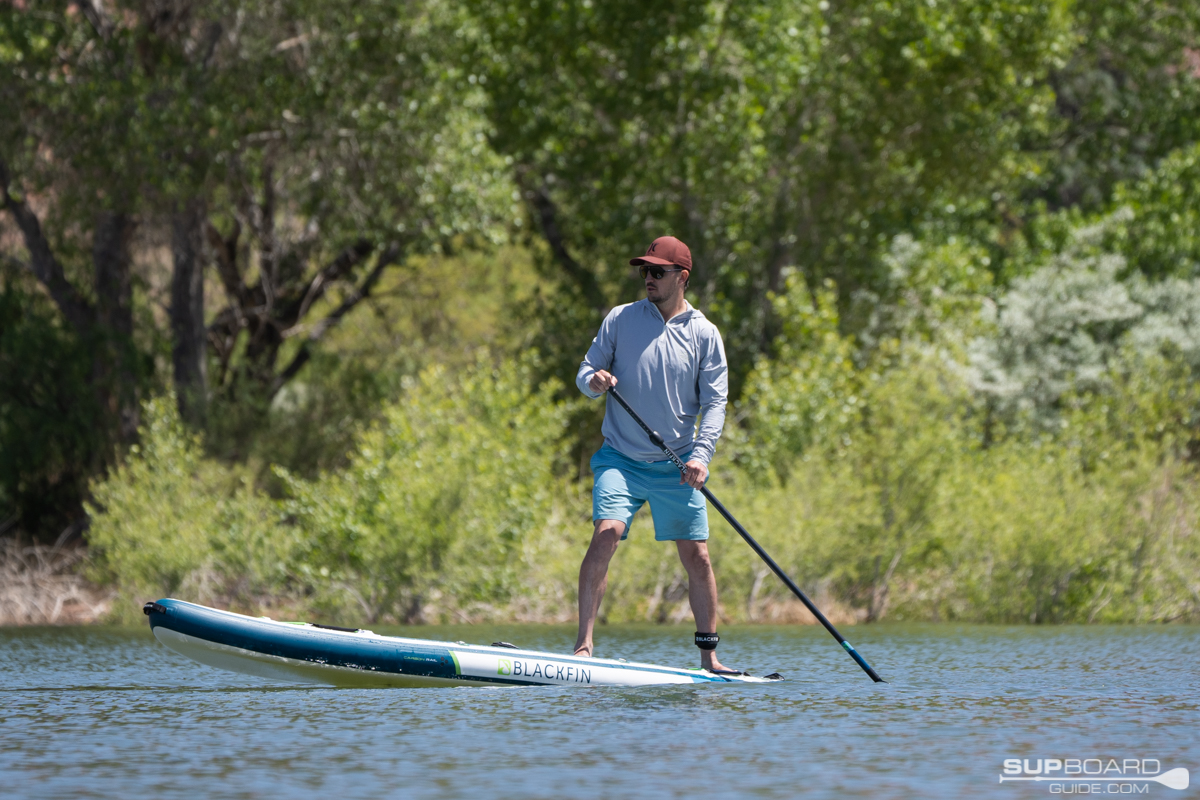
115 365
879 592
547 214
75 308
189 345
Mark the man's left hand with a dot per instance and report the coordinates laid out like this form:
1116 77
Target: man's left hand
696 474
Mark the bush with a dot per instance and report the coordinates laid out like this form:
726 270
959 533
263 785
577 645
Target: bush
169 522
1063 328
437 499
913 518
806 396
883 478
877 487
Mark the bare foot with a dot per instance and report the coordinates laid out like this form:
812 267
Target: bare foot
583 650
710 662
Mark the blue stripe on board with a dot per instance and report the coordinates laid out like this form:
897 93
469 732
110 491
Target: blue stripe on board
304 644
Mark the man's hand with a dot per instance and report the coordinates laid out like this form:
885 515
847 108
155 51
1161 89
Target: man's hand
696 475
601 381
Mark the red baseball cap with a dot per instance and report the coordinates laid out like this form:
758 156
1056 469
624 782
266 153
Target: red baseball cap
666 251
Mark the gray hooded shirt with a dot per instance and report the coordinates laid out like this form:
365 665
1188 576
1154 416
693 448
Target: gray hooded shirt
668 371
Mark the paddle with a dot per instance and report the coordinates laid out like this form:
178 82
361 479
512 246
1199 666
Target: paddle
737 526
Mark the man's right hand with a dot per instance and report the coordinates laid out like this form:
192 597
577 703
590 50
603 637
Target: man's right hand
601 381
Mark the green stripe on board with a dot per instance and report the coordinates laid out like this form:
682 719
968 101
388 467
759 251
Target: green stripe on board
457 668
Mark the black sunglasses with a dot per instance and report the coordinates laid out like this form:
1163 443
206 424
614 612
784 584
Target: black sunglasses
657 272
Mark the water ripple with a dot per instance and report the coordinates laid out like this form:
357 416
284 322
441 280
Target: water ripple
110 713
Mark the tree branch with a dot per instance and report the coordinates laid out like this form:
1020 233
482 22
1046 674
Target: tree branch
269 247
293 312
227 268
386 259
208 43
547 213
45 267
13 261
93 10
222 335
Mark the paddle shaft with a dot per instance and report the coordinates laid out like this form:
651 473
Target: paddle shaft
755 546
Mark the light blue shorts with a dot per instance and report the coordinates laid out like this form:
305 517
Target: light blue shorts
623 485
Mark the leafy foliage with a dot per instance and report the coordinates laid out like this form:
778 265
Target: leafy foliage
438 496
169 522
952 248
767 135
1126 97
913 518
1159 229
1063 327
49 428
807 397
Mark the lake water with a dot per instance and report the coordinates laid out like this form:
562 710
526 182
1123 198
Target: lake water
94 712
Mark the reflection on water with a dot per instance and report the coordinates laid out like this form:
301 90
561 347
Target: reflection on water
111 713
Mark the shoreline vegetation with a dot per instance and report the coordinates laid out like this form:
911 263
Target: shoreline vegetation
992 462
450 509
989 462
44 588
978 466
292 297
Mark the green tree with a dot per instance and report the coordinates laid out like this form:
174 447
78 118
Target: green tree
50 431
1065 327
1157 223
303 148
1127 95
767 135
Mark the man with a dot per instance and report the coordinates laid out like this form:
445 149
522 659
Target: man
670 364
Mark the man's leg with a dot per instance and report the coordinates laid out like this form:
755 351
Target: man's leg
593 578
702 593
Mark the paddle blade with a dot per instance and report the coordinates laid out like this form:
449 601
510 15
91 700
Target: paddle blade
1177 778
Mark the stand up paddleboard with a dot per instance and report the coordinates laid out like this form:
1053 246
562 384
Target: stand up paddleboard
302 652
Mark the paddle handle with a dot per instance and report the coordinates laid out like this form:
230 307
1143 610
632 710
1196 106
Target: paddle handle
755 546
